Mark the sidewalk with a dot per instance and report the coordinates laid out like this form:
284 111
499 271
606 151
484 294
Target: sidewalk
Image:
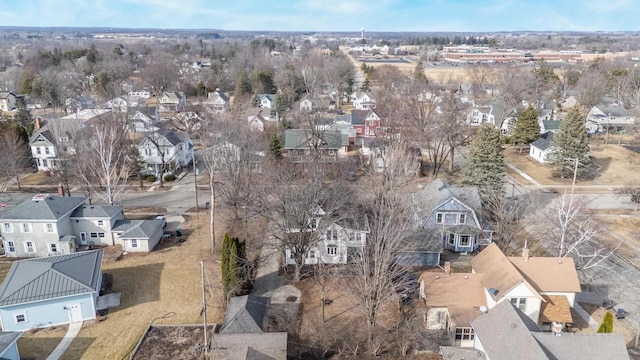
267 278
72 332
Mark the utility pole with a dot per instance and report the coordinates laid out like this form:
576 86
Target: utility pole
575 175
204 312
195 174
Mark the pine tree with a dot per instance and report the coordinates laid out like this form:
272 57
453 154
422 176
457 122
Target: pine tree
224 262
485 167
606 327
243 85
232 264
418 74
527 128
570 144
275 146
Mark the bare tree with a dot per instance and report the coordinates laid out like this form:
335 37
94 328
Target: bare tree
160 74
592 86
105 157
480 75
15 154
312 67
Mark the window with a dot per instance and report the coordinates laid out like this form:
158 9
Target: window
93 235
520 303
439 218
100 222
38 150
29 247
7 227
53 247
352 236
464 334
46 150
332 250
332 234
48 228
20 318
465 240
462 218
441 317
452 239
134 243
312 254
101 234
26 227
11 247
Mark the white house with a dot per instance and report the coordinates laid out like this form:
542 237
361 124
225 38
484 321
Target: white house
613 116
144 120
308 104
7 101
172 101
363 100
172 147
540 149
218 101
266 101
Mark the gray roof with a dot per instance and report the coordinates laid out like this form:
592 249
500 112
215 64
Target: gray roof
551 124
97 211
52 207
8 338
584 346
262 346
357 116
219 94
174 137
271 97
460 353
437 192
544 141
51 277
245 314
423 240
506 333
137 229
300 139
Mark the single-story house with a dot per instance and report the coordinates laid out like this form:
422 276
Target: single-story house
138 235
539 149
51 291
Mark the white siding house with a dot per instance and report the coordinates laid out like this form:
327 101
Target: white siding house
540 149
175 147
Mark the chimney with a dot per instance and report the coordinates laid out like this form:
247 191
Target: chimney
38 123
525 254
60 189
447 268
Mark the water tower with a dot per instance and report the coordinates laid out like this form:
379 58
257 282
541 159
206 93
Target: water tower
362 33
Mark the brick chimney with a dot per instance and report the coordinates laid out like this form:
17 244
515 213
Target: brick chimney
60 189
525 254
447 268
38 123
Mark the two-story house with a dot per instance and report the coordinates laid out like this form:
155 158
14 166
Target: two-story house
340 242
53 140
218 101
363 100
172 148
453 215
543 288
366 123
609 116
50 225
300 144
144 120
265 101
172 101
309 104
8 101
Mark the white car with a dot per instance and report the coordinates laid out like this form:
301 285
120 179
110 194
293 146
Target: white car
164 221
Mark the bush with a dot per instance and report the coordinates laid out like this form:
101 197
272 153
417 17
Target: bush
150 178
169 177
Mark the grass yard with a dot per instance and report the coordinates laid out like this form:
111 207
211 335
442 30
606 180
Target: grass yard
618 226
617 167
165 281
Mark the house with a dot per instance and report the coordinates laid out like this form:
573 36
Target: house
50 225
137 235
569 102
218 101
8 101
543 288
265 101
363 100
327 145
481 115
82 102
251 346
51 291
119 103
170 101
613 117
308 104
341 242
550 125
366 123
144 120
423 251
540 149
245 314
9 345
505 332
452 215
171 147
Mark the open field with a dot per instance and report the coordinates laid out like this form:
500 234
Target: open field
163 282
617 166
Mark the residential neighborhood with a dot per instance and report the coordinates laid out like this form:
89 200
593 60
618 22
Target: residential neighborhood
202 194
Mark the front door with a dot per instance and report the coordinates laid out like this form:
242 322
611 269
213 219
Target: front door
75 312
83 238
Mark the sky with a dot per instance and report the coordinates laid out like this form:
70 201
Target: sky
329 15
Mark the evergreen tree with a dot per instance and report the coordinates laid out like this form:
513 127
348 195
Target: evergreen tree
418 73
606 327
232 264
570 144
485 167
224 262
243 85
526 129
275 147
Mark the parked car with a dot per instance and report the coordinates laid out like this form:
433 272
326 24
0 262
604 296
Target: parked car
164 221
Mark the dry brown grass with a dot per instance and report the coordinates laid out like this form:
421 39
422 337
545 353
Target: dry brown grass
36 178
619 326
164 281
617 167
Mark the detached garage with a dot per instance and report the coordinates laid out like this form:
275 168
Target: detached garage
138 235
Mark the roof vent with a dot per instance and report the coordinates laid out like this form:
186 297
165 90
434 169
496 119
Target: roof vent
483 309
40 197
492 291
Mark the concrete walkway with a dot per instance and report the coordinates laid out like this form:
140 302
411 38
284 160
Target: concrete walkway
267 278
72 332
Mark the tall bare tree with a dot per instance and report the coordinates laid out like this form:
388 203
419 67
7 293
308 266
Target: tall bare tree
15 154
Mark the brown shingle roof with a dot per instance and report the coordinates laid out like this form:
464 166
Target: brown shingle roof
496 269
548 274
555 308
461 294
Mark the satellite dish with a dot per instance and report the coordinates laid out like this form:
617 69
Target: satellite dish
483 309
492 291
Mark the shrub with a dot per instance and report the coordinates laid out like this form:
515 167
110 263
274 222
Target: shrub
169 177
150 178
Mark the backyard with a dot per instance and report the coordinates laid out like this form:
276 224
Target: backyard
162 286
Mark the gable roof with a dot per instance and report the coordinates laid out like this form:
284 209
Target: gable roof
544 141
462 295
497 271
299 139
548 274
358 116
583 346
97 211
218 94
51 207
39 135
245 314
437 192
137 229
270 97
51 277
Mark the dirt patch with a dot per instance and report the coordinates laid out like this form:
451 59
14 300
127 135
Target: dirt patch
173 342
